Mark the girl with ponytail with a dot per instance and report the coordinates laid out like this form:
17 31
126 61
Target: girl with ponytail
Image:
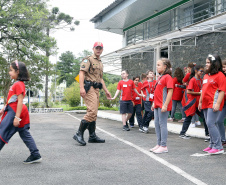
162 104
193 94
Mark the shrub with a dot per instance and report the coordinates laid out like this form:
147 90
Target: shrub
35 104
110 103
99 108
72 94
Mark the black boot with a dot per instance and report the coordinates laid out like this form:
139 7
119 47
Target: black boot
79 135
93 138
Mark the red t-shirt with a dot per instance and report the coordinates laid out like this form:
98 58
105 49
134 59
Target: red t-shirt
148 90
194 85
177 91
126 88
16 89
136 98
165 82
186 78
212 84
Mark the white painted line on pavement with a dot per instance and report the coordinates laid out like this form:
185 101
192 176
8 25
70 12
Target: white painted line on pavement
155 157
202 155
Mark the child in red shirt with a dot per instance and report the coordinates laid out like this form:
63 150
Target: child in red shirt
143 79
148 94
162 104
193 94
177 94
15 117
126 106
220 118
212 101
136 103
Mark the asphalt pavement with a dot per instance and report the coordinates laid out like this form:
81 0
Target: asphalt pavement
123 159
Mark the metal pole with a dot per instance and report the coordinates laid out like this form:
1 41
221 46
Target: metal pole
81 101
29 96
55 78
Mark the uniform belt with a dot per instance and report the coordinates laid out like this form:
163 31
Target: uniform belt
94 84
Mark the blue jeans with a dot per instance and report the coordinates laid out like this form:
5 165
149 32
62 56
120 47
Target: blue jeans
148 115
187 122
161 126
137 110
220 122
215 138
27 139
174 106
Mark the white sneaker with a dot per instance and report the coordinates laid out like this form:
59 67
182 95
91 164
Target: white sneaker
145 130
192 125
170 119
198 123
181 121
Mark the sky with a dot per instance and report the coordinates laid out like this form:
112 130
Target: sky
85 34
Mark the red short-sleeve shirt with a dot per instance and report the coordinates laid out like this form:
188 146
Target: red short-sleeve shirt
165 82
194 85
136 98
16 89
186 78
212 85
126 88
148 89
177 91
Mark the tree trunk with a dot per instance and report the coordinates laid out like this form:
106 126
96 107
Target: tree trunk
47 70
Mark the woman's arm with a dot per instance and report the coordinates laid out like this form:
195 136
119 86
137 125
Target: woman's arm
216 107
168 99
108 94
116 94
17 119
193 93
135 90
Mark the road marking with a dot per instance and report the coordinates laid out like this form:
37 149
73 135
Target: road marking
202 155
153 156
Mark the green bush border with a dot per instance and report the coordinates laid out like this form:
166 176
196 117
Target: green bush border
99 108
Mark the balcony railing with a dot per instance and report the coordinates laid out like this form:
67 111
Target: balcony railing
185 15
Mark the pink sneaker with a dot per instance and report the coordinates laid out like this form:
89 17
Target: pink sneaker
161 150
155 148
216 151
207 149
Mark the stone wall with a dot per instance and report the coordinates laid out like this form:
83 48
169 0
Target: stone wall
139 63
212 43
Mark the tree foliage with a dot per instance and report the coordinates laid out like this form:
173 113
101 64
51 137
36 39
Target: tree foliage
21 27
68 68
23 37
56 20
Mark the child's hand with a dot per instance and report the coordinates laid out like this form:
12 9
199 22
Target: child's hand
200 107
16 122
108 94
144 96
164 109
110 98
152 107
1 112
216 107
